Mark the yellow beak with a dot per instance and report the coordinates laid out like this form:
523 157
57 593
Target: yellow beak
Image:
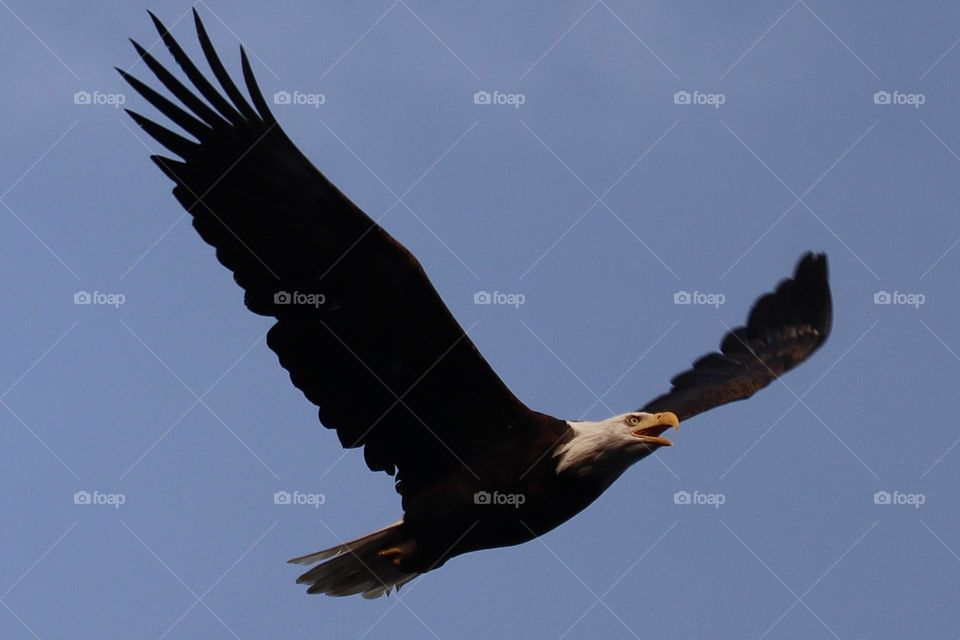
649 430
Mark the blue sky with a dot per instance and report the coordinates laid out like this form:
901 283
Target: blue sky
600 197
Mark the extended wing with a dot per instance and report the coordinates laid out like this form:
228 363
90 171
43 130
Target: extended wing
783 329
359 327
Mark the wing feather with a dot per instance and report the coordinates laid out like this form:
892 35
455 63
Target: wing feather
372 343
783 329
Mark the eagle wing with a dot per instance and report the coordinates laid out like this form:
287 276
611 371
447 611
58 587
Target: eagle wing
361 330
783 329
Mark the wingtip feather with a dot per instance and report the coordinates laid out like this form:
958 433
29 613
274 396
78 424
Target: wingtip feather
254 89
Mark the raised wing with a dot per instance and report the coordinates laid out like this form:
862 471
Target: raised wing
359 327
784 328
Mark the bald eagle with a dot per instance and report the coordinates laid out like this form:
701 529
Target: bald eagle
390 368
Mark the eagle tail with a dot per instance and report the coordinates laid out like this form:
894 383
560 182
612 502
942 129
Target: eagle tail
362 566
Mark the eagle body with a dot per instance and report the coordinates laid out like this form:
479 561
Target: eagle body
519 496
561 472
367 339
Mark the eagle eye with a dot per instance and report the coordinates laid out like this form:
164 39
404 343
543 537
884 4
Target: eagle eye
633 421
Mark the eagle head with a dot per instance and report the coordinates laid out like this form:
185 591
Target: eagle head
608 447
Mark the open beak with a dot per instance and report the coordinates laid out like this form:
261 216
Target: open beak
650 429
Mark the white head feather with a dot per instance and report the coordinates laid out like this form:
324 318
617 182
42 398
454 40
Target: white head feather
605 449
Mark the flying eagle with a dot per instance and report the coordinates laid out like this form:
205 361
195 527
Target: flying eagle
367 339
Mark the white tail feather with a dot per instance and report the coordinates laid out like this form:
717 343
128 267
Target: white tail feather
357 566
313 558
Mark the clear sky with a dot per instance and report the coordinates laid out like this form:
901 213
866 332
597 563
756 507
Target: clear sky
587 185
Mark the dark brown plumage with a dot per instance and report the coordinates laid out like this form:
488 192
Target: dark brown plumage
368 340
784 327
